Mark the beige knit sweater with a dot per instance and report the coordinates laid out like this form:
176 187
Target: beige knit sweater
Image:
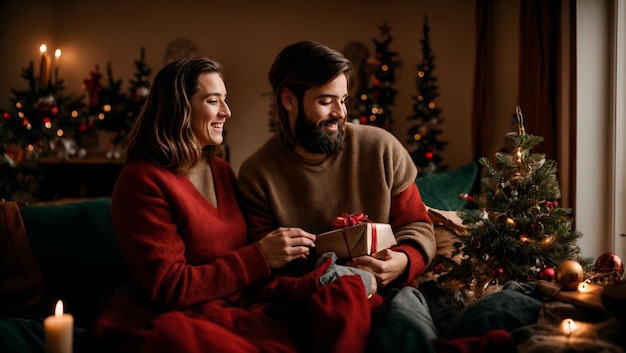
373 174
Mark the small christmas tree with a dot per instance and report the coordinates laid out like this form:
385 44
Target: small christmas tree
41 114
373 104
113 113
139 86
40 121
115 110
424 145
518 231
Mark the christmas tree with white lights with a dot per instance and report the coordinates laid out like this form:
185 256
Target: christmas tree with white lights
424 144
373 103
517 231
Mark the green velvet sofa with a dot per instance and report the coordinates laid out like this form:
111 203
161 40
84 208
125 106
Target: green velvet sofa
68 251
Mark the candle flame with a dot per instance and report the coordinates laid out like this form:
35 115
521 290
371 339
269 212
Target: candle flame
57 53
58 309
43 48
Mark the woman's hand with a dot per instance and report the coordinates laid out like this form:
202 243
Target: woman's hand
286 244
386 265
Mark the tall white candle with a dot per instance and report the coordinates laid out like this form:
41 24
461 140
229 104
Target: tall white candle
59 331
43 66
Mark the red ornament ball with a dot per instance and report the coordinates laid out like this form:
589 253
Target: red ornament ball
54 110
569 274
546 274
609 263
438 269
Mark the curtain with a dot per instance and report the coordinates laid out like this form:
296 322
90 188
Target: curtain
539 75
481 110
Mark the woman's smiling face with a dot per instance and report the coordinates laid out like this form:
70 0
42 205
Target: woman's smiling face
209 109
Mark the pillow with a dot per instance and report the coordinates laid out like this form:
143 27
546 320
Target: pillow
448 227
505 309
441 190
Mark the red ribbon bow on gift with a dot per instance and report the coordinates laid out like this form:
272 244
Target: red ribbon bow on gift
349 219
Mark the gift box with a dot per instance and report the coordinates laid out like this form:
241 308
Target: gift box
364 238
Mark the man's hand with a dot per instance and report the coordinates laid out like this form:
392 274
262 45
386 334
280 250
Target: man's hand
386 265
285 244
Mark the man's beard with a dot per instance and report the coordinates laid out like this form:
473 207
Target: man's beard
312 137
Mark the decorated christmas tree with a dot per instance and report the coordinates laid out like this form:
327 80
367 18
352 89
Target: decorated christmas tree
518 231
113 114
41 114
41 121
424 144
373 103
139 86
116 111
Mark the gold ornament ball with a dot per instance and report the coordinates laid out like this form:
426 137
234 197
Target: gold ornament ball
569 274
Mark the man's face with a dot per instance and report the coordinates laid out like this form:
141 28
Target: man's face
320 117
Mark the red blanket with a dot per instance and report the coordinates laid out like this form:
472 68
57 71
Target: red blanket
298 316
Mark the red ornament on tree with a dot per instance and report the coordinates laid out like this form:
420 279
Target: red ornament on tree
546 274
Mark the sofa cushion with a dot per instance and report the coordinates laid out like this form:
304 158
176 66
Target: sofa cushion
505 309
448 228
76 250
442 190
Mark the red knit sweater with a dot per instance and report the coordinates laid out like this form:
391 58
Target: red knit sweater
191 259
180 249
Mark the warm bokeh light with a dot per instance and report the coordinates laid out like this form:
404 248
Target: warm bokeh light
568 326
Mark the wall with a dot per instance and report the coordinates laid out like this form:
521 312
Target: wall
245 35
600 118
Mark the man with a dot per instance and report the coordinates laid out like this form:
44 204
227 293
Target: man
319 166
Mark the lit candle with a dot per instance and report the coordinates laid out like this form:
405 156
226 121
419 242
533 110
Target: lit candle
57 56
42 65
59 331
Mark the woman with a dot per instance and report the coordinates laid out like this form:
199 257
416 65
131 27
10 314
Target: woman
183 236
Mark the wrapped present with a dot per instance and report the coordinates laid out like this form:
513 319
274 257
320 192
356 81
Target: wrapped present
355 235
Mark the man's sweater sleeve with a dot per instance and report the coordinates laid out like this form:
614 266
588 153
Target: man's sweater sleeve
414 231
